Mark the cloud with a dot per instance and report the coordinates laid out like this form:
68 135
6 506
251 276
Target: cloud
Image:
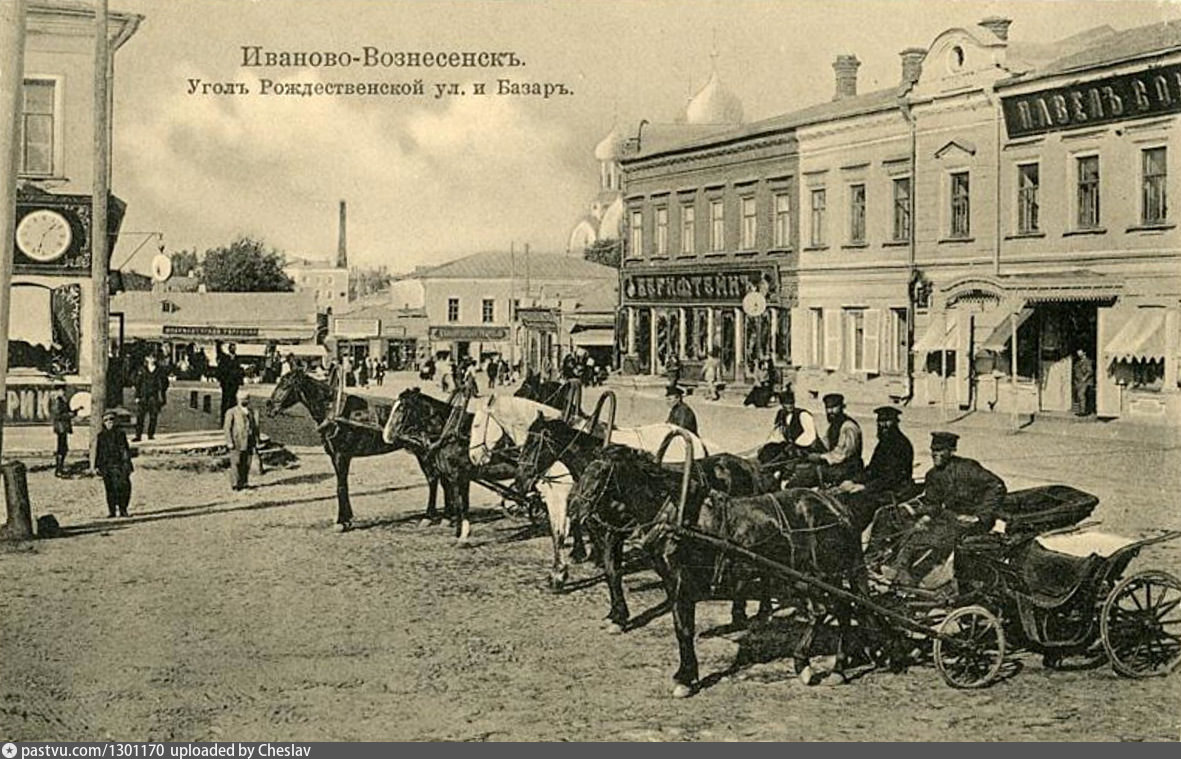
425 179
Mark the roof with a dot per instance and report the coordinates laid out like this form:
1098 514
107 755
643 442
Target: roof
597 296
1110 48
503 264
126 23
254 309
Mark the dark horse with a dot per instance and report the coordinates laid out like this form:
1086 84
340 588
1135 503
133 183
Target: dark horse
625 491
343 441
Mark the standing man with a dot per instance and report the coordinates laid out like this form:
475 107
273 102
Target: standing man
151 392
229 377
842 442
1083 373
113 461
241 428
890 474
711 375
961 498
679 412
493 370
63 424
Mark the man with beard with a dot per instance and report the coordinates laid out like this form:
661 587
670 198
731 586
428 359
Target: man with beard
841 459
889 477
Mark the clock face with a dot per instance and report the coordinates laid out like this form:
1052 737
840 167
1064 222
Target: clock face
44 235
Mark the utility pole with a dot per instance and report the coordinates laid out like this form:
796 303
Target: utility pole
512 301
100 325
12 76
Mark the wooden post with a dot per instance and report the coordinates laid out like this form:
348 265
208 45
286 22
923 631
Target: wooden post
100 307
12 76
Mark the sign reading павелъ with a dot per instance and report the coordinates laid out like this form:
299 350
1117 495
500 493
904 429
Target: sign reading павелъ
1099 101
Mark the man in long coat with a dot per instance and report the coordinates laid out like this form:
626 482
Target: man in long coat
151 391
241 428
889 477
113 461
63 424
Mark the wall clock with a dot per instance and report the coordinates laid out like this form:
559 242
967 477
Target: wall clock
44 235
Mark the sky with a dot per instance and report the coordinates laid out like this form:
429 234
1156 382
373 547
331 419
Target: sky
431 179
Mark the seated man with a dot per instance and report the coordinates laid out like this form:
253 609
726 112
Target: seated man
794 435
841 459
960 498
889 477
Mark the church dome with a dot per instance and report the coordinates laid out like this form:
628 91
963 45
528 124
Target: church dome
611 146
714 104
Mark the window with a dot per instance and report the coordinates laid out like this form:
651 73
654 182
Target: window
816 335
488 311
662 231
717 226
960 205
750 223
1153 205
902 209
636 248
37 128
1088 192
895 356
782 220
688 229
453 309
819 203
855 320
516 308
1027 206
856 213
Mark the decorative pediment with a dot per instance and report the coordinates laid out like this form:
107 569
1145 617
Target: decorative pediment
960 146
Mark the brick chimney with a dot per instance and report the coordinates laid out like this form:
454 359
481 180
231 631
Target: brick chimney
912 65
998 26
342 249
845 67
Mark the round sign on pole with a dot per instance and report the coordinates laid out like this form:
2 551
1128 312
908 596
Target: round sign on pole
754 304
161 268
80 404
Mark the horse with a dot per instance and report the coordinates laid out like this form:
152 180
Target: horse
552 443
549 392
342 441
803 529
418 422
624 491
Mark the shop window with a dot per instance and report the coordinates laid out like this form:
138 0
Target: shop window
855 339
1028 183
1146 375
662 231
819 206
902 209
961 205
717 226
636 231
757 334
453 309
857 214
688 230
488 311
940 366
37 128
1154 209
750 223
1088 191
782 220
45 329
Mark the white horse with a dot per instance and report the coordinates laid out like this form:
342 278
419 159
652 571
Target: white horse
503 418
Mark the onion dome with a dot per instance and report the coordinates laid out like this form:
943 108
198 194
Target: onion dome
611 146
714 104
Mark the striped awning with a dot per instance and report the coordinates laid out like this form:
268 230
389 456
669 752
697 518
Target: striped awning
1004 331
594 337
1143 337
939 336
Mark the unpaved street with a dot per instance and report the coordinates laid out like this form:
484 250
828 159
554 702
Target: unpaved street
216 615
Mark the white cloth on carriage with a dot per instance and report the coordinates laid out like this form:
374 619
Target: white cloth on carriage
1084 544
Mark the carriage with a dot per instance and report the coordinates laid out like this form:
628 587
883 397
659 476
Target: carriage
1045 585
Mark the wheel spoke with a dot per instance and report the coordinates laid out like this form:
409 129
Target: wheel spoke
1164 608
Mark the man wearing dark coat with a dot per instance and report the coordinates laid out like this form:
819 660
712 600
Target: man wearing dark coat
890 474
229 377
113 461
678 412
63 424
841 459
151 391
961 498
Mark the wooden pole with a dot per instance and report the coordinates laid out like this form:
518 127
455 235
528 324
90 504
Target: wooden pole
12 75
100 296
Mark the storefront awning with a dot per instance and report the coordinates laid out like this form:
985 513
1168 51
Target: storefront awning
939 337
594 338
1142 337
1004 331
251 349
301 350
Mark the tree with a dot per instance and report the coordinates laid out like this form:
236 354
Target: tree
605 252
185 262
247 265
364 282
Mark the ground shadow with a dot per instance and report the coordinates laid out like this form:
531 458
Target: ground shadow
310 478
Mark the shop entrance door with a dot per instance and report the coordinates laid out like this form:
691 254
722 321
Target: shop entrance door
1062 329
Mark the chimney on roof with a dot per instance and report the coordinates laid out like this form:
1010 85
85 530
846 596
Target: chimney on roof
998 26
912 65
342 249
845 67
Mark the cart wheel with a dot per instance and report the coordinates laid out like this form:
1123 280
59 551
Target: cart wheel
970 648
1141 624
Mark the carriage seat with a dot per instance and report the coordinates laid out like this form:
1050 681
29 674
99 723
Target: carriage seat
1050 577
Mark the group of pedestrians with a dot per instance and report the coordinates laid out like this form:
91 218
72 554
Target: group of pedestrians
915 530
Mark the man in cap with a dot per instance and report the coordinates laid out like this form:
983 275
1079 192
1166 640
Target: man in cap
679 412
960 498
795 424
62 417
113 461
841 459
889 477
151 390
241 428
